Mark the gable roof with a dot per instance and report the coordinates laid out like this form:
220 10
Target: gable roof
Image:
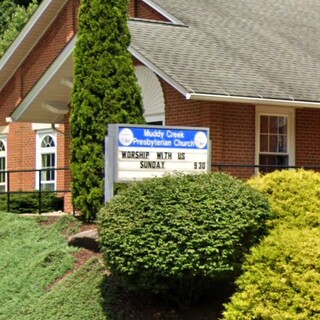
236 48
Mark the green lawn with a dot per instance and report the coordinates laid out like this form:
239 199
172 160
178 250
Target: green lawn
32 257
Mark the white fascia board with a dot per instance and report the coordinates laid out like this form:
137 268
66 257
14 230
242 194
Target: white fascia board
44 80
249 100
163 12
157 71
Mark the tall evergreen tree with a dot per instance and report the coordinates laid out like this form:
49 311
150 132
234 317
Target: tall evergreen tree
105 91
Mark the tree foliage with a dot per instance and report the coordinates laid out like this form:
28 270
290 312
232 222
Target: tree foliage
13 17
176 235
105 91
281 277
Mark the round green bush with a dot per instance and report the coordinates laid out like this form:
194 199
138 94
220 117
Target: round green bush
175 234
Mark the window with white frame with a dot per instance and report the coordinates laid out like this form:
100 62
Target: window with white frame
46 160
275 138
3 164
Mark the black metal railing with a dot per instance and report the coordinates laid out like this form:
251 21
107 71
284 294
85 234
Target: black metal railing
40 191
247 171
262 168
234 169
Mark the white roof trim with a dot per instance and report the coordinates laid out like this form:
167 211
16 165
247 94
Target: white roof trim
44 80
157 71
163 12
222 98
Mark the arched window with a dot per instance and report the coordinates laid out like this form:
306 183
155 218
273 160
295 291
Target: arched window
46 160
3 164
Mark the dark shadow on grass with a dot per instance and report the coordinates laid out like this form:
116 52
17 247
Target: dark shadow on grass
121 304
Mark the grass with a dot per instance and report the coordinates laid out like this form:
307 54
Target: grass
76 298
32 258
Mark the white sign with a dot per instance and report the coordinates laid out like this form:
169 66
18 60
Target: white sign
150 151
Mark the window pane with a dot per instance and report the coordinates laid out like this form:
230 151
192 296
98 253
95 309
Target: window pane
47 186
272 160
2 163
47 142
2 167
282 125
264 124
2 147
273 125
264 143
278 143
48 161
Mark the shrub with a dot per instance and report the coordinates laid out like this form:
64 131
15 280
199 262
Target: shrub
105 91
292 194
281 277
29 203
176 234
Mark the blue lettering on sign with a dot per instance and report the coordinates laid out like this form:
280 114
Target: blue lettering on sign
162 138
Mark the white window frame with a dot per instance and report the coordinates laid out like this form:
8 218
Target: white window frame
278 112
40 151
4 154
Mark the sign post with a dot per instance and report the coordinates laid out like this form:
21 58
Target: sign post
136 152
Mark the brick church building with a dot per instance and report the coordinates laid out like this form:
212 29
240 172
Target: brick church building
248 71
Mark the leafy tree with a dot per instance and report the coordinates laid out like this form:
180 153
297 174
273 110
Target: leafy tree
24 3
7 8
105 91
12 19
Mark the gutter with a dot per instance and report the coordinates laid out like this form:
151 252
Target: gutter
248 100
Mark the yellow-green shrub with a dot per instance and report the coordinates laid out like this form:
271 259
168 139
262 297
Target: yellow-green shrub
292 194
281 279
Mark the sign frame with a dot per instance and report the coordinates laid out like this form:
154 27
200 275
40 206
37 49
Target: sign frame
189 142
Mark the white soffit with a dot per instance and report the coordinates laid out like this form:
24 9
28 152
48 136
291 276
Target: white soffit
152 94
49 91
28 37
4 129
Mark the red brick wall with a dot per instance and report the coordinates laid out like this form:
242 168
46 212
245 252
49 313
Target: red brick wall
21 156
9 99
232 127
67 159
307 137
139 9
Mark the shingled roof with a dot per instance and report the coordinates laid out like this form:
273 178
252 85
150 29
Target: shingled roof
244 48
